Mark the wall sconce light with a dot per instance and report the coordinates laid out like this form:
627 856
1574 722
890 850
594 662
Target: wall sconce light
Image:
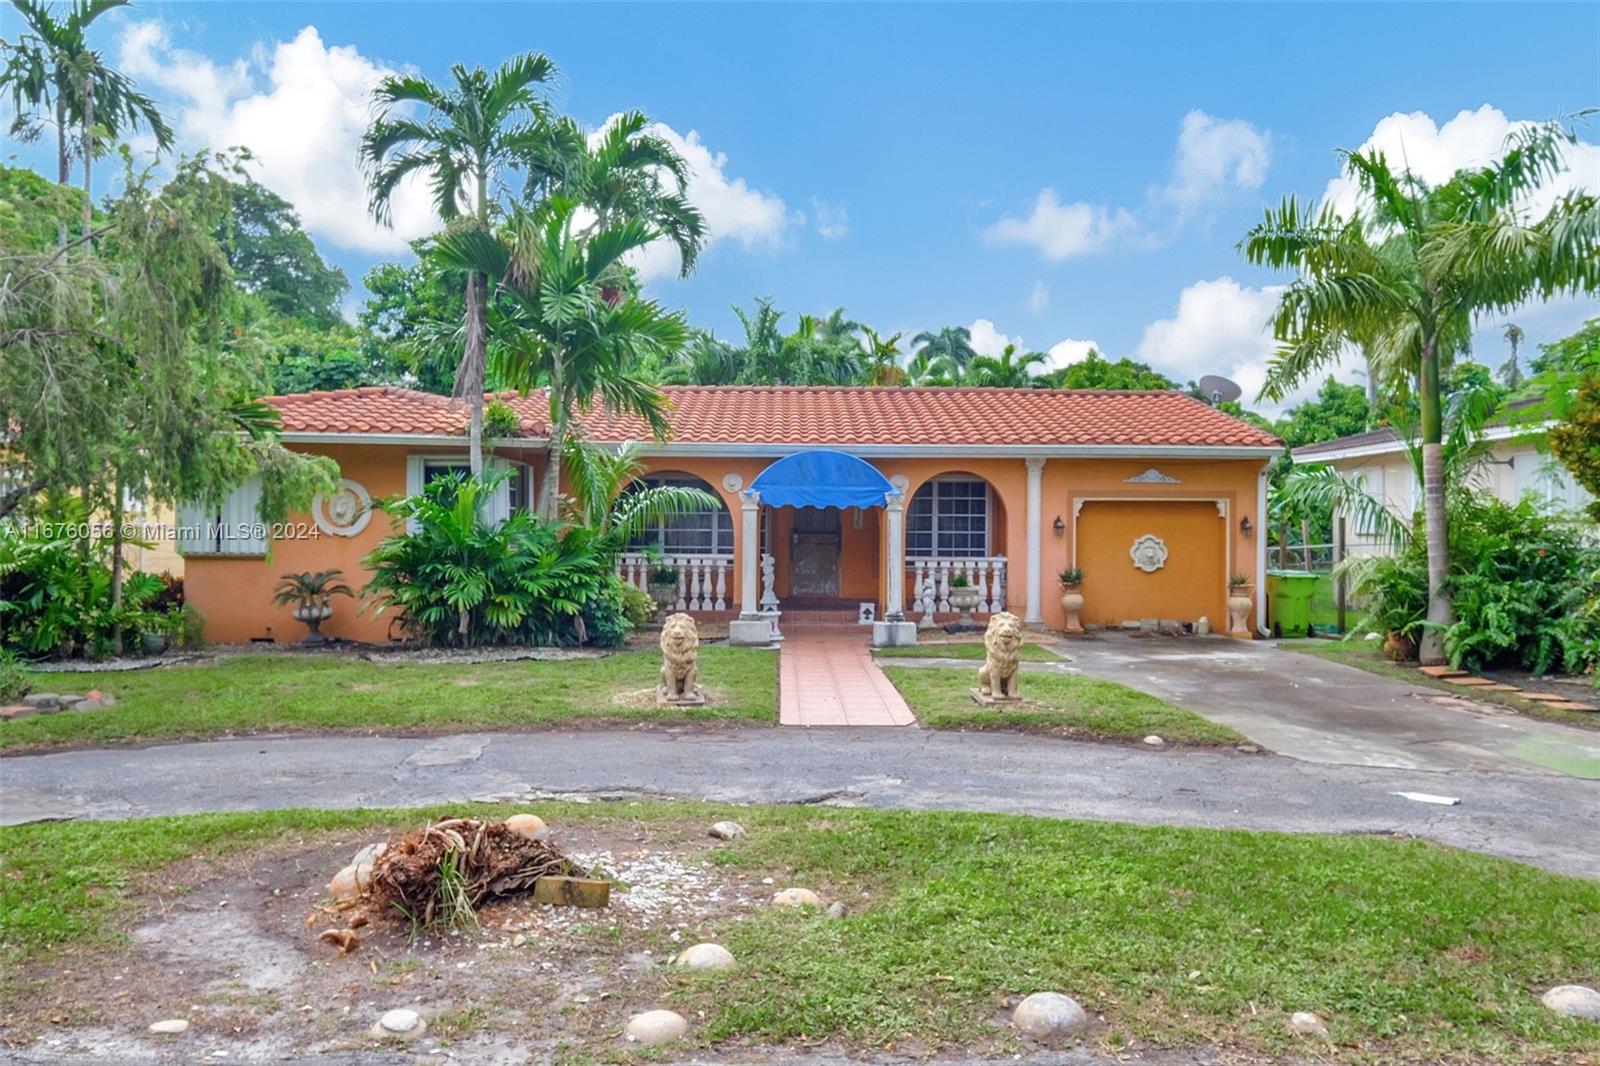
1059 526
1245 527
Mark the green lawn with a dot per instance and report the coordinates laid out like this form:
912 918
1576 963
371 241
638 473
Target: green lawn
1368 655
277 693
970 649
1176 936
1052 702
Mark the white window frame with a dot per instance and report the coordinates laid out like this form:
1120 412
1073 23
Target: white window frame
231 527
721 519
500 505
935 517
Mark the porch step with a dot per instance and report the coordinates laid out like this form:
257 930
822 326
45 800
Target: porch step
800 618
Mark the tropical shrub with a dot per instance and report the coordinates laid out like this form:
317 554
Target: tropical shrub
1521 578
637 606
457 578
56 595
14 683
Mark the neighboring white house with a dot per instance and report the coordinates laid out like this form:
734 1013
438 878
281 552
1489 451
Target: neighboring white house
1379 461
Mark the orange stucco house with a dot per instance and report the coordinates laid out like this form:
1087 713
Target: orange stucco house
837 499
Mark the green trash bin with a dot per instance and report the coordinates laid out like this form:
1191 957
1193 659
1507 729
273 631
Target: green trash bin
1289 595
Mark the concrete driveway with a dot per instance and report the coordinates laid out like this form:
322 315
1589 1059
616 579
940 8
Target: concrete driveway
1324 712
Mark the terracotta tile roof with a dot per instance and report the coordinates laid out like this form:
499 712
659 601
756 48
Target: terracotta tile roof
820 415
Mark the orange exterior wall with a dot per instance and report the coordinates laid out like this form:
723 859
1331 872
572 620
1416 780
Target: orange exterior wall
235 594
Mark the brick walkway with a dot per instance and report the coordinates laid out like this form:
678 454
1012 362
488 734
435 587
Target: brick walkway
827 677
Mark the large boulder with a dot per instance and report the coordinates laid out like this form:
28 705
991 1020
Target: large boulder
655 1027
1575 1001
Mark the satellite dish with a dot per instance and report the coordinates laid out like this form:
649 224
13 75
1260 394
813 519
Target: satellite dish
1219 389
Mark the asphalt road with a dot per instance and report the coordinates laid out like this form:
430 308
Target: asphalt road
1548 820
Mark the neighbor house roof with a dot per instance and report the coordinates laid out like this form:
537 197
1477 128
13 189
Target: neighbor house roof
814 416
1512 422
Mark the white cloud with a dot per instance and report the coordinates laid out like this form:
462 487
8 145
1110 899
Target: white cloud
1216 156
1069 351
1061 231
300 107
1472 138
987 340
734 211
1038 298
1221 327
833 220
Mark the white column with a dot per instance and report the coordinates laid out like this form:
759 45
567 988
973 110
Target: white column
749 553
1260 524
894 605
1034 611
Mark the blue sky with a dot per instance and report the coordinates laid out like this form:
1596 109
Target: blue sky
1061 174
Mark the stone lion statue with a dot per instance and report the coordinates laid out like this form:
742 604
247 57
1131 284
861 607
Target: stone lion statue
680 648
997 677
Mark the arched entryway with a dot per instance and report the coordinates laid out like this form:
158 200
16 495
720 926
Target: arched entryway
955 525
816 489
689 553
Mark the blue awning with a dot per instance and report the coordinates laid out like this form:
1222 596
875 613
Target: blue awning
821 478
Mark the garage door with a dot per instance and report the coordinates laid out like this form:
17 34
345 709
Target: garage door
1182 572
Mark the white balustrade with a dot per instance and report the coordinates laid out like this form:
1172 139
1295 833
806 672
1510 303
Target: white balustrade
702 579
931 577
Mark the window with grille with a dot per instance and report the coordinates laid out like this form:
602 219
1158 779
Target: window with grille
691 533
949 519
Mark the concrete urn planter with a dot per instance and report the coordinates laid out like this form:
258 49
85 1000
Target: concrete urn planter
964 599
313 615
665 593
1072 604
1239 604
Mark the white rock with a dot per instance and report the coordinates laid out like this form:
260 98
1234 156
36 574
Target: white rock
170 1027
705 957
402 1022
1049 1016
727 830
836 909
528 826
369 854
345 883
1306 1024
796 897
655 1027
1154 741
1575 1001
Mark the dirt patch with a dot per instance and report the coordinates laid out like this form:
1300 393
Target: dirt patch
228 948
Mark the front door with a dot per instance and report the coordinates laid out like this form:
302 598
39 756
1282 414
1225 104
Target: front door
814 552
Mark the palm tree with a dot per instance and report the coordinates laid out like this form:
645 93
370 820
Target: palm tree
950 348
480 125
607 499
626 172
1510 372
1407 275
52 67
883 358
567 320
705 360
1008 370
926 368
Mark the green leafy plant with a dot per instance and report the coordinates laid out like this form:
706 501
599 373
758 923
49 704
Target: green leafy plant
637 606
14 684
458 578
663 575
1072 575
959 581
500 420
1237 581
311 589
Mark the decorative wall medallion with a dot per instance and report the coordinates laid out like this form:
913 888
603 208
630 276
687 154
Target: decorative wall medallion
732 482
900 483
1149 553
345 511
1151 476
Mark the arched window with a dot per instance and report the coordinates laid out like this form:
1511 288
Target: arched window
949 519
692 533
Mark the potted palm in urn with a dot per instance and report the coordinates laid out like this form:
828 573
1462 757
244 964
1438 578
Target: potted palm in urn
664 586
312 596
964 598
1072 598
1239 603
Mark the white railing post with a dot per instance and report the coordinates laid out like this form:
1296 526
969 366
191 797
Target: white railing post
1000 580
721 603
